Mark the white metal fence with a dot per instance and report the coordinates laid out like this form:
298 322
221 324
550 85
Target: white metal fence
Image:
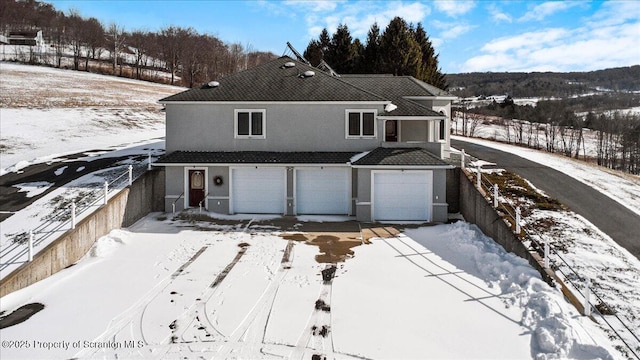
27 243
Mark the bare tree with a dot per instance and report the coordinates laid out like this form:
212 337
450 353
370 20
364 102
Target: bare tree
139 42
74 28
115 39
172 40
93 34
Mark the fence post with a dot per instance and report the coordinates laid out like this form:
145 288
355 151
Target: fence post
30 245
587 295
478 179
130 175
462 156
495 196
518 214
106 191
546 254
73 215
149 164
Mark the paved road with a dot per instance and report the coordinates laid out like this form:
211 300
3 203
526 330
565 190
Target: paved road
620 223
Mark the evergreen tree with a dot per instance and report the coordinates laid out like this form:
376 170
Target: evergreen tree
358 60
313 52
317 50
399 50
428 70
371 53
341 55
400 53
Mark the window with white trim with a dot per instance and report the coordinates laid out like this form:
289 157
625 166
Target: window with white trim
250 124
361 123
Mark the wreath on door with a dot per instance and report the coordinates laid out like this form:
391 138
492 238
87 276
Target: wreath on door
218 180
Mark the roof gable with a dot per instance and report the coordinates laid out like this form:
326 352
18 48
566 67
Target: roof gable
273 81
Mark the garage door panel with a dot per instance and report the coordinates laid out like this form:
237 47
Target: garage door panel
258 191
322 191
402 195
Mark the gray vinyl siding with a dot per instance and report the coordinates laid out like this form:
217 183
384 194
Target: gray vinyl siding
289 127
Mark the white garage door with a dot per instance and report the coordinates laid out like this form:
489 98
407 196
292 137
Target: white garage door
402 195
258 191
323 191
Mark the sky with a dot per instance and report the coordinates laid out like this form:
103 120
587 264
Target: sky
469 36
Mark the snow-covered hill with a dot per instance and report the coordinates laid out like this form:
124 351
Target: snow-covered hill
47 112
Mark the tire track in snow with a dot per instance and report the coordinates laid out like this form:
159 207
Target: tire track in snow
248 339
132 317
317 338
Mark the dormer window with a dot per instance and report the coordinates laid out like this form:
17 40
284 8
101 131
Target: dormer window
361 124
250 124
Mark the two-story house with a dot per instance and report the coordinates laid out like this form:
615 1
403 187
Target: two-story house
286 138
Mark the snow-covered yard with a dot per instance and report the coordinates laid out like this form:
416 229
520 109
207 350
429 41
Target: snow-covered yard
155 290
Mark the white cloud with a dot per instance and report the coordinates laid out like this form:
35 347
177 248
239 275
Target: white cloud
315 5
616 12
359 16
527 40
559 49
497 15
539 12
454 8
452 30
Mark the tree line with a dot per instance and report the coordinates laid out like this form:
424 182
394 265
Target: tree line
187 55
401 49
561 126
544 84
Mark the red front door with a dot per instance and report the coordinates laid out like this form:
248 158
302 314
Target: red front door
196 187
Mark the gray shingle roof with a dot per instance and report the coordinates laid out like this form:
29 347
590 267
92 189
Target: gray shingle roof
256 157
400 156
272 81
396 89
389 85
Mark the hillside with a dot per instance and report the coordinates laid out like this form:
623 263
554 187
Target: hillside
544 84
46 112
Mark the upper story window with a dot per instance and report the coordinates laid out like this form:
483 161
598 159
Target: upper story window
442 128
361 123
250 124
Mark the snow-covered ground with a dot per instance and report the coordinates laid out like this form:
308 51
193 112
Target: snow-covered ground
49 112
621 187
154 291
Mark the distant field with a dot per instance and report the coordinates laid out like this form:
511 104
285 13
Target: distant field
42 87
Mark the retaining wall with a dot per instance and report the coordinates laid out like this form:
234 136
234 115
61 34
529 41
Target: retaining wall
145 195
477 210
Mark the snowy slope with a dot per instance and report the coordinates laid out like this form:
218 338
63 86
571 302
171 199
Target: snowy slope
49 112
